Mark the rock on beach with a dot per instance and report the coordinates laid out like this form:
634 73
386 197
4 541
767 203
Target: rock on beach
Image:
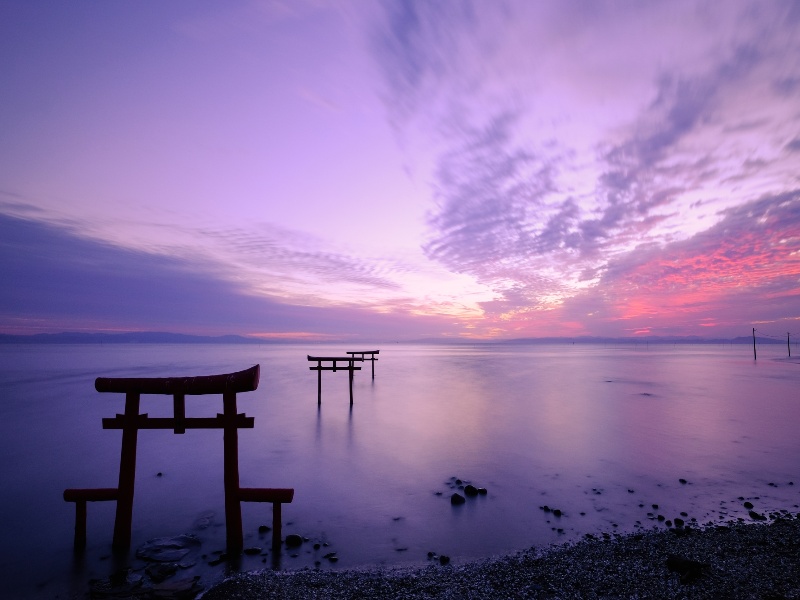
750 560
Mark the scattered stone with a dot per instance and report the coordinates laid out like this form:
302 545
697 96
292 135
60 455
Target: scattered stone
158 572
264 529
180 588
317 546
483 491
159 474
556 512
443 560
167 549
679 522
219 560
204 520
748 505
682 480
757 517
471 491
688 569
293 540
253 550
457 499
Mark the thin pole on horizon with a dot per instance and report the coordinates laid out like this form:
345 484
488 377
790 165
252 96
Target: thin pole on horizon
754 344
788 344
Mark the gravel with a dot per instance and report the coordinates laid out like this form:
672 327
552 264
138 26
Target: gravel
753 560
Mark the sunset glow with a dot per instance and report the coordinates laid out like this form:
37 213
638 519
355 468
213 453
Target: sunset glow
400 170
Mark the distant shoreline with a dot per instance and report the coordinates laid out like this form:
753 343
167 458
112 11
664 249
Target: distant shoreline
157 337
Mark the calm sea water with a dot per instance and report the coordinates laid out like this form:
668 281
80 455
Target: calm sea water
600 432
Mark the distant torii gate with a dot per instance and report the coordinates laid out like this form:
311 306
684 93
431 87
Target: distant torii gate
363 353
348 365
131 421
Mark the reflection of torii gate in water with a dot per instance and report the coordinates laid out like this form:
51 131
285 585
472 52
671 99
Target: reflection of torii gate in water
131 421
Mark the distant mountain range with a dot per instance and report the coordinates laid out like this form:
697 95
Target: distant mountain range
155 337
142 337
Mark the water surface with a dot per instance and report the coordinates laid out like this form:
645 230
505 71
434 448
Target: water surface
600 432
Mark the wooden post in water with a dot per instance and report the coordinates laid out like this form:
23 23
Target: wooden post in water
319 383
230 452
127 473
788 345
754 344
351 381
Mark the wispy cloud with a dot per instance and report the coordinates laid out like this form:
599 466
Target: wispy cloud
746 265
61 280
508 210
524 167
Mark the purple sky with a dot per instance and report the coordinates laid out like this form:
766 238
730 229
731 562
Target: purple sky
395 170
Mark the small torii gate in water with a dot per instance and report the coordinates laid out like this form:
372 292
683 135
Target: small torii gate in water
130 422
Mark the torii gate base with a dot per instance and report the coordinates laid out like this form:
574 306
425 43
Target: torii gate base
131 421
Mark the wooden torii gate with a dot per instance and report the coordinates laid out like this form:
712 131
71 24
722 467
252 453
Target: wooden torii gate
332 365
228 384
363 353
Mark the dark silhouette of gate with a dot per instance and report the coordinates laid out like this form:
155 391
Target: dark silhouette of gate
130 422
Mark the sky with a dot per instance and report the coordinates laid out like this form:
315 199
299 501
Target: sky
398 170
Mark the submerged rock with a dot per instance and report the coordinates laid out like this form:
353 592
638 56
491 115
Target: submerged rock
167 549
158 572
293 540
457 499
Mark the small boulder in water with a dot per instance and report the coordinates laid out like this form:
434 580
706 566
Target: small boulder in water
293 540
167 549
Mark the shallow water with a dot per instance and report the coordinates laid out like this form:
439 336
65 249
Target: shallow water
600 432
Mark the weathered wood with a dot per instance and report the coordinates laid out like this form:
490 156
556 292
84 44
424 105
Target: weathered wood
282 495
127 473
350 367
276 496
90 494
179 408
230 443
145 422
241 381
334 360
131 421
364 356
80 496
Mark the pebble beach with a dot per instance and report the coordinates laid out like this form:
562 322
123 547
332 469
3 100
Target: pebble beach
740 560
